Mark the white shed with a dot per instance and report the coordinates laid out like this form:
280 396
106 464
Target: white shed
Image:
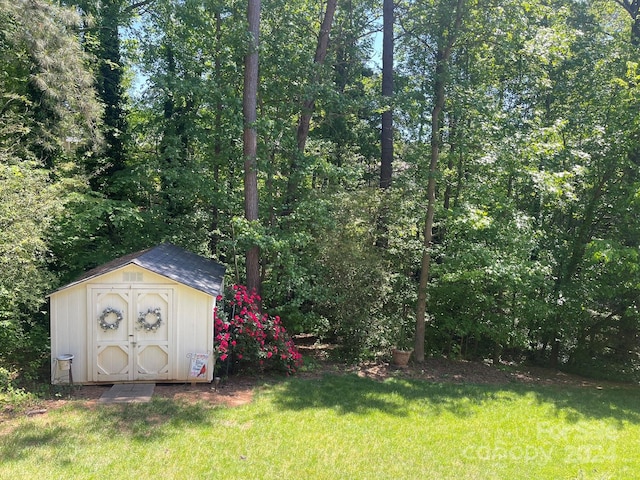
144 317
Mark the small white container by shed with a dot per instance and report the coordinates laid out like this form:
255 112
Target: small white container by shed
140 318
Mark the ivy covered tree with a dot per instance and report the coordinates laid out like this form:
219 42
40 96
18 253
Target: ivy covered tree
48 107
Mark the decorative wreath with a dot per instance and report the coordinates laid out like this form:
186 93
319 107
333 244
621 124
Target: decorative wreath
106 313
153 326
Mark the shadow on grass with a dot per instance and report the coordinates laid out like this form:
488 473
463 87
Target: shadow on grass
147 421
139 421
28 437
350 394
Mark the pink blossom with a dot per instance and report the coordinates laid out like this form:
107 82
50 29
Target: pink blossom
252 333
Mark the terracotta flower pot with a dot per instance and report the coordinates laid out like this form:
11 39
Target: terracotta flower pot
400 358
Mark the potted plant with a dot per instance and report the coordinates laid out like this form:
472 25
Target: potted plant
401 354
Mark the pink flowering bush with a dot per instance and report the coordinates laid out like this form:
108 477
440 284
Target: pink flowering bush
248 338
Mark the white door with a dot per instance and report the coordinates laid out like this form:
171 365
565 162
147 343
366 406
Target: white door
131 334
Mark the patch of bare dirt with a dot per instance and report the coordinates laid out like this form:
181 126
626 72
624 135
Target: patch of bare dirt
231 392
461 371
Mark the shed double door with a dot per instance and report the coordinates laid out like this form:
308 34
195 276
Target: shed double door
131 334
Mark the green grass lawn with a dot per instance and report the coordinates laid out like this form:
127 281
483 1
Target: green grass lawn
340 427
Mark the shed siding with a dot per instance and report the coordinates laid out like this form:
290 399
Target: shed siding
117 277
195 334
69 334
72 323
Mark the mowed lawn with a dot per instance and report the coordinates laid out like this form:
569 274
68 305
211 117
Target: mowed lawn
340 427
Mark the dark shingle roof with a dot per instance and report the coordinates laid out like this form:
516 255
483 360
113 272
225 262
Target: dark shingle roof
169 261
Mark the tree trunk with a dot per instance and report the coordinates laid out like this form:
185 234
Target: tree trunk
453 132
111 91
421 307
633 8
321 53
440 77
568 270
308 106
250 140
635 32
386 135
214 236
386 140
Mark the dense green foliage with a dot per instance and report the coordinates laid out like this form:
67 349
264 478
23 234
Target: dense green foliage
47 106
535 180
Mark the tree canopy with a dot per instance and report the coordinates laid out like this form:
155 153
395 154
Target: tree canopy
507 227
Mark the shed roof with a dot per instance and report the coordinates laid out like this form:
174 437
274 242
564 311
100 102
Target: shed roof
170 261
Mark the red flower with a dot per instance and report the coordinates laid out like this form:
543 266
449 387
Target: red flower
251 334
